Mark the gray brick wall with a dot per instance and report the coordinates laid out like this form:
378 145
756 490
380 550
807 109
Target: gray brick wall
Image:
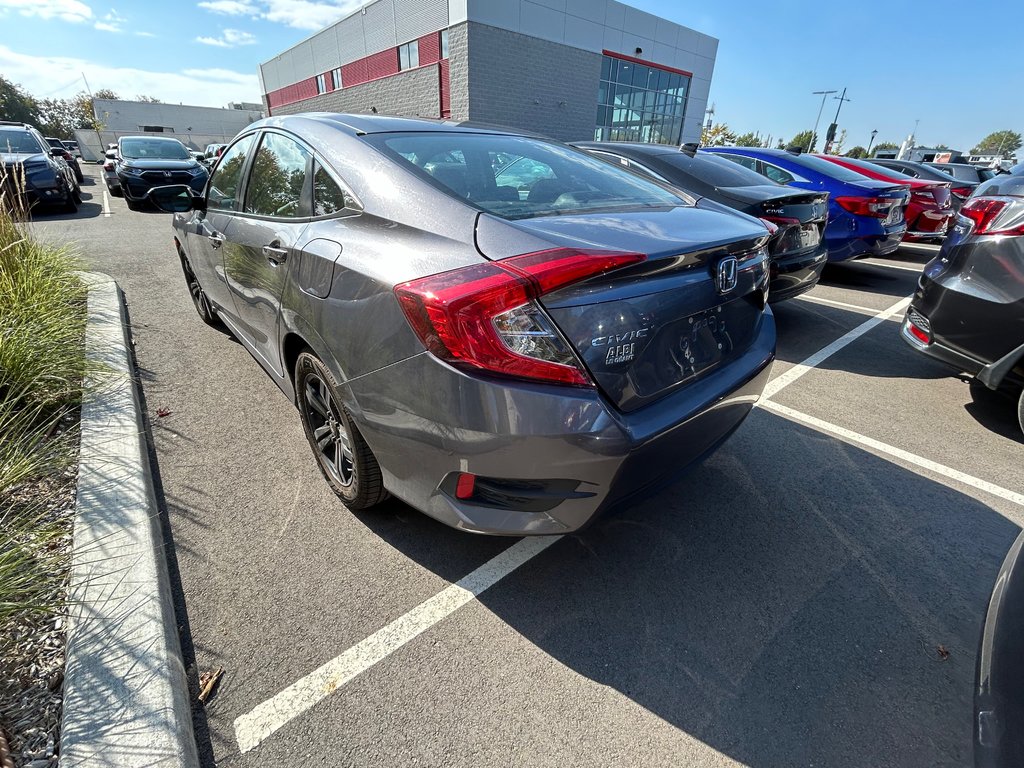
458 70
414 93
532 84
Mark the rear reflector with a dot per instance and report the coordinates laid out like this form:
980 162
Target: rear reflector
485 316
918 334
465 486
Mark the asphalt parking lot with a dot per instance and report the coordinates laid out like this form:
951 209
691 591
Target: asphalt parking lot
783 604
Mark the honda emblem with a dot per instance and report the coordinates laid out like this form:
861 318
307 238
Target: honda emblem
167 174
726 275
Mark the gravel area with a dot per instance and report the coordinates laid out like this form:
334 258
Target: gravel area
32 647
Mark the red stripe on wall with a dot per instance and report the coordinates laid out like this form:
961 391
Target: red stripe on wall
446 88
430 48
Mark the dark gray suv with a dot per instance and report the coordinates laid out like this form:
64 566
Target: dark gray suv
33 172
500 330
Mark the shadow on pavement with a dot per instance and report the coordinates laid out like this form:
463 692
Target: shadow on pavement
777 624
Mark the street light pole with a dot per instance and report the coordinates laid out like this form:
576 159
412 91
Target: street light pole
873 134
831 128
824 95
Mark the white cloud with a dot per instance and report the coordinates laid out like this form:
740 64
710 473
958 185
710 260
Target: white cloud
207 87
145 34
231 7
112 22
230 38
300 14
68 10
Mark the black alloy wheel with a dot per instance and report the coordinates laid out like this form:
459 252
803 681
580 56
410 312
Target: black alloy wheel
199 299
343 456
1020 409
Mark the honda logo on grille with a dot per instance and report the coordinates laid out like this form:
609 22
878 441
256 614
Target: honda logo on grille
726 276
167 174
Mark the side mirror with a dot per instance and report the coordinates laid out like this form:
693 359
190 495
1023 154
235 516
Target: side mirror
110 154
54 152
176 198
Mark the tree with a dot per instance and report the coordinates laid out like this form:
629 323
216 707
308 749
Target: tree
749 140
998 142
148 99
16 104
105 93
886 145
942 146
857 152
717 136
804 138
837 143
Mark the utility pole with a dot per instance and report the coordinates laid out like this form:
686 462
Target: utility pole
824 95
831 135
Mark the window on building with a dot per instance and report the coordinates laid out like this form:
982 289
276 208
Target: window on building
336 79
321 84
444 43
409 55
277 184
638 102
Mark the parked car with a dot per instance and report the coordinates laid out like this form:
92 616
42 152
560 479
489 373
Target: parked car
144 162
865 216
965 171
969 308
961 190
508 360
72 147
35 171
110 173
1016 170
212 153
798 252
69 158
930 213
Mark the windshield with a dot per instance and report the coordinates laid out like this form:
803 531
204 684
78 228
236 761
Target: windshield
516 177
827 168
19 142
154 149
717 171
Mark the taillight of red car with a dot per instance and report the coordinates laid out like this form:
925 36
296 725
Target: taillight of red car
485 316
962 192
985 213
876 207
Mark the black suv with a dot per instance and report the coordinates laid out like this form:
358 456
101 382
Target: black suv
144 162
68 156
34 171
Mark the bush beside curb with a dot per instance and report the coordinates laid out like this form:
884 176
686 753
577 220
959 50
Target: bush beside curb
126 699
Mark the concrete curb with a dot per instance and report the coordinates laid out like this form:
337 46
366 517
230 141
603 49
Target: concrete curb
126 699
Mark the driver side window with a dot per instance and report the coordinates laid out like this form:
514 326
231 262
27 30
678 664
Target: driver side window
227 176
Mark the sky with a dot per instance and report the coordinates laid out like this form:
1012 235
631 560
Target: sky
942 63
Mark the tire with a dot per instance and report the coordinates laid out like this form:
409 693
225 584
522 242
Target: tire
345 459
133 205
115 191
77 194
71 206
1020 409
200 300
79 174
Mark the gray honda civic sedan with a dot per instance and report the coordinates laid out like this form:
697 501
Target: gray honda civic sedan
498 329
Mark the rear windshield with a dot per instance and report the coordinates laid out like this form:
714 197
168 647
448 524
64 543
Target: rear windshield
716 171
517 177
149 149
827 168
19 142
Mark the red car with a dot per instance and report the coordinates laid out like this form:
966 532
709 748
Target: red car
930 212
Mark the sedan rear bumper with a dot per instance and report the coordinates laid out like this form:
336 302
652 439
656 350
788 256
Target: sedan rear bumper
796 274
553 435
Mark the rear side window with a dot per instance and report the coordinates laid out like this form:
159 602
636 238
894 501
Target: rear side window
226 179
518 177
716 171
277 182
328 196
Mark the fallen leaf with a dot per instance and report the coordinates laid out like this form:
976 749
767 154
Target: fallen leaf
943 652
161 412
207 682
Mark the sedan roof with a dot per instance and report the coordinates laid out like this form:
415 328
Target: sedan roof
365 124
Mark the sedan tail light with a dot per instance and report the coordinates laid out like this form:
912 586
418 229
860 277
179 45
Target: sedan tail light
877 207
985 211
485 316
962 192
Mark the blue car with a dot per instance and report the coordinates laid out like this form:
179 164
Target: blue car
865 216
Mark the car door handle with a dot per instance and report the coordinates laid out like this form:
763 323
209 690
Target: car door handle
276 256
216 241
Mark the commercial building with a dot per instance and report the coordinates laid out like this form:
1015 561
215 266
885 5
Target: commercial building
194 126
571 69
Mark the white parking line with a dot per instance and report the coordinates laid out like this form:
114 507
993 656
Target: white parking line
840 304
920 462
255 726
798 370
266 718
106 202
893 266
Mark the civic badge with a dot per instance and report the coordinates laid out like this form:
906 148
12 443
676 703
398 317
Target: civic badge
726 275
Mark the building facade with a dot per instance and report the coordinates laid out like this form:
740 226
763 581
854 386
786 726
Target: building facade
570 69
